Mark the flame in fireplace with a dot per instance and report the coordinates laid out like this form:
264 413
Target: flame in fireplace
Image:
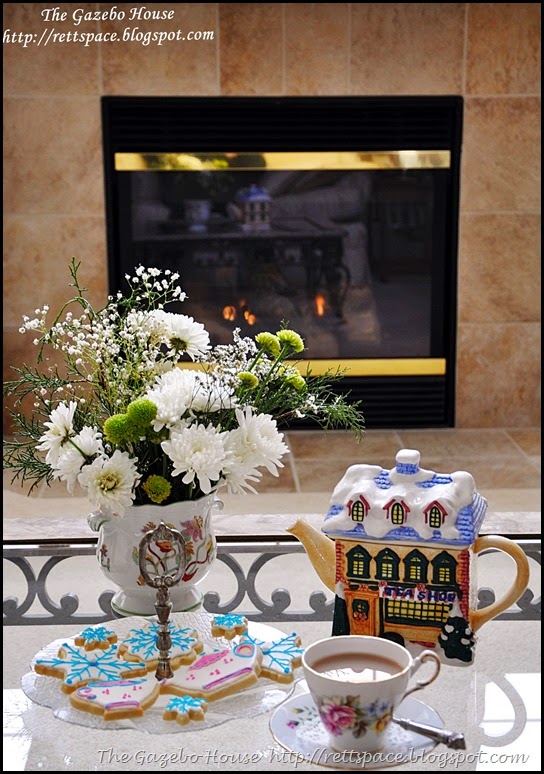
249 317
230 312
320 305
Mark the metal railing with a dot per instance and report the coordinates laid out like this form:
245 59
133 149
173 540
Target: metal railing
277 609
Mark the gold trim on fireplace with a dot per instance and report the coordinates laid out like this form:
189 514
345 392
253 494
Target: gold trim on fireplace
255 161
376 366
367 366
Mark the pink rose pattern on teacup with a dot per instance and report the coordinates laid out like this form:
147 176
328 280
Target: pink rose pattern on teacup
340 714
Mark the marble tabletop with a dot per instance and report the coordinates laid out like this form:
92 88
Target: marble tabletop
495 702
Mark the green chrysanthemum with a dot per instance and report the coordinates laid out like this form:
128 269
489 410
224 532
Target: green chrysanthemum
117 429
269 342
135 424
297 381
141 414
157 488
248 379
292 339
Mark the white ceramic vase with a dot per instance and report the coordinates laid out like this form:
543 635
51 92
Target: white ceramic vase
119 539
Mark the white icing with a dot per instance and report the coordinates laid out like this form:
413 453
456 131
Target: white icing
115 696
215 670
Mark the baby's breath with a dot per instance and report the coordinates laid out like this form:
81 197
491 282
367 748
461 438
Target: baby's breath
121 419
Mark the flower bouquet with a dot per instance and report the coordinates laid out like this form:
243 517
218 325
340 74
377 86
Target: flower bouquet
143 410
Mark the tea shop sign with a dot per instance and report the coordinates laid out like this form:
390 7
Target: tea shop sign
419 593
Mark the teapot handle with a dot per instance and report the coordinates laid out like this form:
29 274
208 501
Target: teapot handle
479 617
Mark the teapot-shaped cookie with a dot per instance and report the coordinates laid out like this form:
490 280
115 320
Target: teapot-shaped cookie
401 558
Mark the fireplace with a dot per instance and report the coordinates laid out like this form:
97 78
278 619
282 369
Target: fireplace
335 215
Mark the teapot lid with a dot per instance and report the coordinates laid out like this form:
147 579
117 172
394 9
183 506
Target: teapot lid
406 504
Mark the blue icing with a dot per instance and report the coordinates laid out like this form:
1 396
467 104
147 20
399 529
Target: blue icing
81 665
278 655
183 704
143 642
229 620
96 634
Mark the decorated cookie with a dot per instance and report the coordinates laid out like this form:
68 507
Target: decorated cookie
280 657
94 637
217 674
229 625
185 708
77 666
117 699
141 645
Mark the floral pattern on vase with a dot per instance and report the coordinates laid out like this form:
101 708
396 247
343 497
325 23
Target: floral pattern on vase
119 539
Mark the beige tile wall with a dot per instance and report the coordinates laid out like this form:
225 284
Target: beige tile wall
487 52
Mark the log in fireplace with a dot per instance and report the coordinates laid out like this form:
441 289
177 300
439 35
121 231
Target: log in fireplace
337 215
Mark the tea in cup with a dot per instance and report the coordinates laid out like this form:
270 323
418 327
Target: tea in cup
357 682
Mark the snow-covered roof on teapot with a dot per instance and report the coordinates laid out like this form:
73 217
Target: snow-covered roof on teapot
405 504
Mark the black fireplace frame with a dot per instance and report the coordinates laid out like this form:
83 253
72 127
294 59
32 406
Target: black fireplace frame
244 124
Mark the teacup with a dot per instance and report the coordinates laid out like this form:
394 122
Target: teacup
357 682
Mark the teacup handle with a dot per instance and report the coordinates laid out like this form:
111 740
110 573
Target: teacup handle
426 655
479 617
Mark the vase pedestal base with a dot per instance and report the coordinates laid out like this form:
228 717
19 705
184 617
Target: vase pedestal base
142 602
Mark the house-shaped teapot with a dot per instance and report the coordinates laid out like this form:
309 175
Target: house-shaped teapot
403 547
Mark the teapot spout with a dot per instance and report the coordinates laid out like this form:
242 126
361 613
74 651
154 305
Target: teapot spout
320 550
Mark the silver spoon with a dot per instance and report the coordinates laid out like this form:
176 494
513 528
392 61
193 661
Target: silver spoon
452 739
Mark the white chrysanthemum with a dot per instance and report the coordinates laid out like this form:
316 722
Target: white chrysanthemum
256 441
110 481
73 455
237 474
61 427
198 451
184 334
173 395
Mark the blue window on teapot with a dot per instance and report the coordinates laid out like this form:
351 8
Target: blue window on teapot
444 566
387 565
415 567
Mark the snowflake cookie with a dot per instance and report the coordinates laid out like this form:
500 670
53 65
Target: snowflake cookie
77 666
217 674
117 699
141 645
280 657
228 625
96 637
185 708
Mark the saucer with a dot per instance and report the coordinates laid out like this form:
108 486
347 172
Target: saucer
296 726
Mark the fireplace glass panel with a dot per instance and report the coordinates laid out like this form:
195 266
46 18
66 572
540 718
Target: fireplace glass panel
345 257
337 216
